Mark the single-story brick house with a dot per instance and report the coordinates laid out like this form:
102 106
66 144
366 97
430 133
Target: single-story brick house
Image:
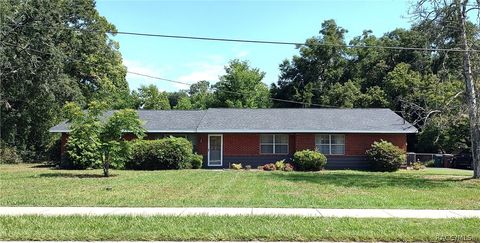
259 136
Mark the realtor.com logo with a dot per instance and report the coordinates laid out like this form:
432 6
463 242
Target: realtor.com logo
457 238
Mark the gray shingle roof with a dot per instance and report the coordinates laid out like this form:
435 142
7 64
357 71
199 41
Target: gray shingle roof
225 120
159 121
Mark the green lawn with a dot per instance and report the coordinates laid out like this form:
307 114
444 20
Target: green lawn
32 185
235 228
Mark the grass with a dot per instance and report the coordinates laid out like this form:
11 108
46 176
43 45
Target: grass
221 228
33 185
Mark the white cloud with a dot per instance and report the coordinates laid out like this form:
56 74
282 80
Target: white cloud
241 54
208 67
204 70
135 81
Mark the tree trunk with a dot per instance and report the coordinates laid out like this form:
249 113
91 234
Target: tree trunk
470 91
106 166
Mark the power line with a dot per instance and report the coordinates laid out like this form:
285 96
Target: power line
159 78
185 83
235 92
288 43
296 44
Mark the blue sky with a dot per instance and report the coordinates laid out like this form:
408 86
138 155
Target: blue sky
192 60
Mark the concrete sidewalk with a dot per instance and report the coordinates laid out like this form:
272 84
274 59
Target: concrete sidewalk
305 212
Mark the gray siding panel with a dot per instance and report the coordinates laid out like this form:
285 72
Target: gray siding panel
254 161
347 162
333 162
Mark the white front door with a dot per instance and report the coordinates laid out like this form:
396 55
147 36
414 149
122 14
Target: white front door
215 149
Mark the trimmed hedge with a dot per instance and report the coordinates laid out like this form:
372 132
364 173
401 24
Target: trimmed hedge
163 154
386 157
308 160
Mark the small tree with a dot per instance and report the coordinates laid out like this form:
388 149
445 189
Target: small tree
113 147
96 142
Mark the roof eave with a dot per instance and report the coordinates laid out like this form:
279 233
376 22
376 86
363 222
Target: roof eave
266 131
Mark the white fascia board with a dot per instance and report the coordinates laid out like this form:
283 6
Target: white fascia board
305 131
58 131
147 131
170 131
266 131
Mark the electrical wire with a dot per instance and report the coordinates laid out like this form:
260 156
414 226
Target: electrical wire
188 84
297 44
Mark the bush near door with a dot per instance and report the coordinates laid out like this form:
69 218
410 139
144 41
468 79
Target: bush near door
163 154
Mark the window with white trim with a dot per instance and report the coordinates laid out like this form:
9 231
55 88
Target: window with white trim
274 143
332 144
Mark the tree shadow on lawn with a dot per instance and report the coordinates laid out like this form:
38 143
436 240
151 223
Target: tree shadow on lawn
71 175
368 180
43 166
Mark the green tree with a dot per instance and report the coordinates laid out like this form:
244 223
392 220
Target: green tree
84 142
95 142
342 95
153 99
242 87
183 104
321 62
52 52
374 97
464 36
201 95
174 97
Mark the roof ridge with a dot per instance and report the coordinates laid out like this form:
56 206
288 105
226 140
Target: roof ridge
201 120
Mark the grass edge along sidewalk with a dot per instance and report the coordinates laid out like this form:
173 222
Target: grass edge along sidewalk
31 185
232 228
301 212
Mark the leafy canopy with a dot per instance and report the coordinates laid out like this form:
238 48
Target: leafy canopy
96 141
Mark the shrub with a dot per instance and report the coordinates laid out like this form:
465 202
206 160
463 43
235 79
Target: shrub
236 166
418 166
9 155
288 167
163 154
196 161
248 167
279 165
384 156
430 163
269 167
308 160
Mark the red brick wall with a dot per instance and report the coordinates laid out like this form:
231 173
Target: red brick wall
202 144
357 144
63 143
304 141
129 136
291 143
249 144
241 144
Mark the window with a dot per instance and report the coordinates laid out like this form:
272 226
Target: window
274 143
330 143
